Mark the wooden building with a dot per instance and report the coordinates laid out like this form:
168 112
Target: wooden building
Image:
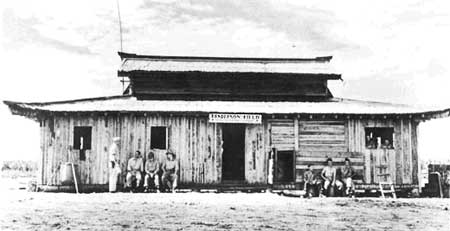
226 118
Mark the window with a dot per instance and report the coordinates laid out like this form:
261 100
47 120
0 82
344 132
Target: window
82 140
380 137
158 138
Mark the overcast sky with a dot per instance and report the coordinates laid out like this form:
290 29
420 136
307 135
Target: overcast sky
394 51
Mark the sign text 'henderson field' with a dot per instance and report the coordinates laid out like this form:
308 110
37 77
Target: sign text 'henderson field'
235 118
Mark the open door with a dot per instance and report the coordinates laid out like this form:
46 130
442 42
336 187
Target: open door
284 166
233 156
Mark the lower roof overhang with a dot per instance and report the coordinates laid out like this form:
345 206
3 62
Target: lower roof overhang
334 108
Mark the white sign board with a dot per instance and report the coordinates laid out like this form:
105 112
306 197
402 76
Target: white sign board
235 118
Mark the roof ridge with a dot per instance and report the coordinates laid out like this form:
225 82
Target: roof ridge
124 55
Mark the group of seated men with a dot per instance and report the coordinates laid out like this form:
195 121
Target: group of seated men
330 179
152 168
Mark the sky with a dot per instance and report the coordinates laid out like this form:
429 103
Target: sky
389 51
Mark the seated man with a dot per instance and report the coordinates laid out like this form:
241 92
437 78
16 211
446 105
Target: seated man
151 170
387 145
329 176
348 172
310 182
371 142
170 170
134 168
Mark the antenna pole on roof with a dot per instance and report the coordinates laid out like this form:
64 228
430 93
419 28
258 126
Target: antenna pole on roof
120 25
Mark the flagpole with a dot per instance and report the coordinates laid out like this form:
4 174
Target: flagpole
120 25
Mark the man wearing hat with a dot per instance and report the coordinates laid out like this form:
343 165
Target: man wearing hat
114 165
170 170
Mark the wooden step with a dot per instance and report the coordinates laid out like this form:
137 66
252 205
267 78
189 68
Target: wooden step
388 191
385 183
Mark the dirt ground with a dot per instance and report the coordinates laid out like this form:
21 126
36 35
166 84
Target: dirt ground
21 210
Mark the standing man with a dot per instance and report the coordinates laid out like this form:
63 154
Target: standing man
134 168
446 182
151 170
170 170
347 174
114 164
329 176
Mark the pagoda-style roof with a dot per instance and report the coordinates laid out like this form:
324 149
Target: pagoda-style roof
227 78
130 104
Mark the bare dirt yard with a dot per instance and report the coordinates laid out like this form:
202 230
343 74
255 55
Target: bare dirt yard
21 210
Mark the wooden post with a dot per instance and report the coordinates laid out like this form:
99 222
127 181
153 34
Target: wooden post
296 135
73 172
74 177
296 147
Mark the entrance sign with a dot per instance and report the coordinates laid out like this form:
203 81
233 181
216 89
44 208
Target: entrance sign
235 118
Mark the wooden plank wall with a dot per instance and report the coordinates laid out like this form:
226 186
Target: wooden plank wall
319 140
197 144
403 159
255 154
322 138
282 134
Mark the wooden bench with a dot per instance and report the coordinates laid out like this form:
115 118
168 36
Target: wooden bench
318 163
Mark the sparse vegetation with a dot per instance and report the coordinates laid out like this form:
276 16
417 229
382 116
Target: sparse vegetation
18 168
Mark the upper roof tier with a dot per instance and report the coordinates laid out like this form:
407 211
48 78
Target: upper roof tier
319 66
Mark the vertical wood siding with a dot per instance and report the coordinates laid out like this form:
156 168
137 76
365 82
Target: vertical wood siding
196 143
402 160
255 155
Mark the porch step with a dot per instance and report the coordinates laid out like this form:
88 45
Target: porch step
389 191
385 183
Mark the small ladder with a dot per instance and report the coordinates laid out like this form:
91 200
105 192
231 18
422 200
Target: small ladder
384 179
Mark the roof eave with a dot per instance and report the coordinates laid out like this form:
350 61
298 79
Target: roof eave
17 109
328 76
21 109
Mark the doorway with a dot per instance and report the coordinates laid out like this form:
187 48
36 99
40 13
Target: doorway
284 166
233 157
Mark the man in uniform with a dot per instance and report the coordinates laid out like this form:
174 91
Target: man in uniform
151 170
114 164
134 168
